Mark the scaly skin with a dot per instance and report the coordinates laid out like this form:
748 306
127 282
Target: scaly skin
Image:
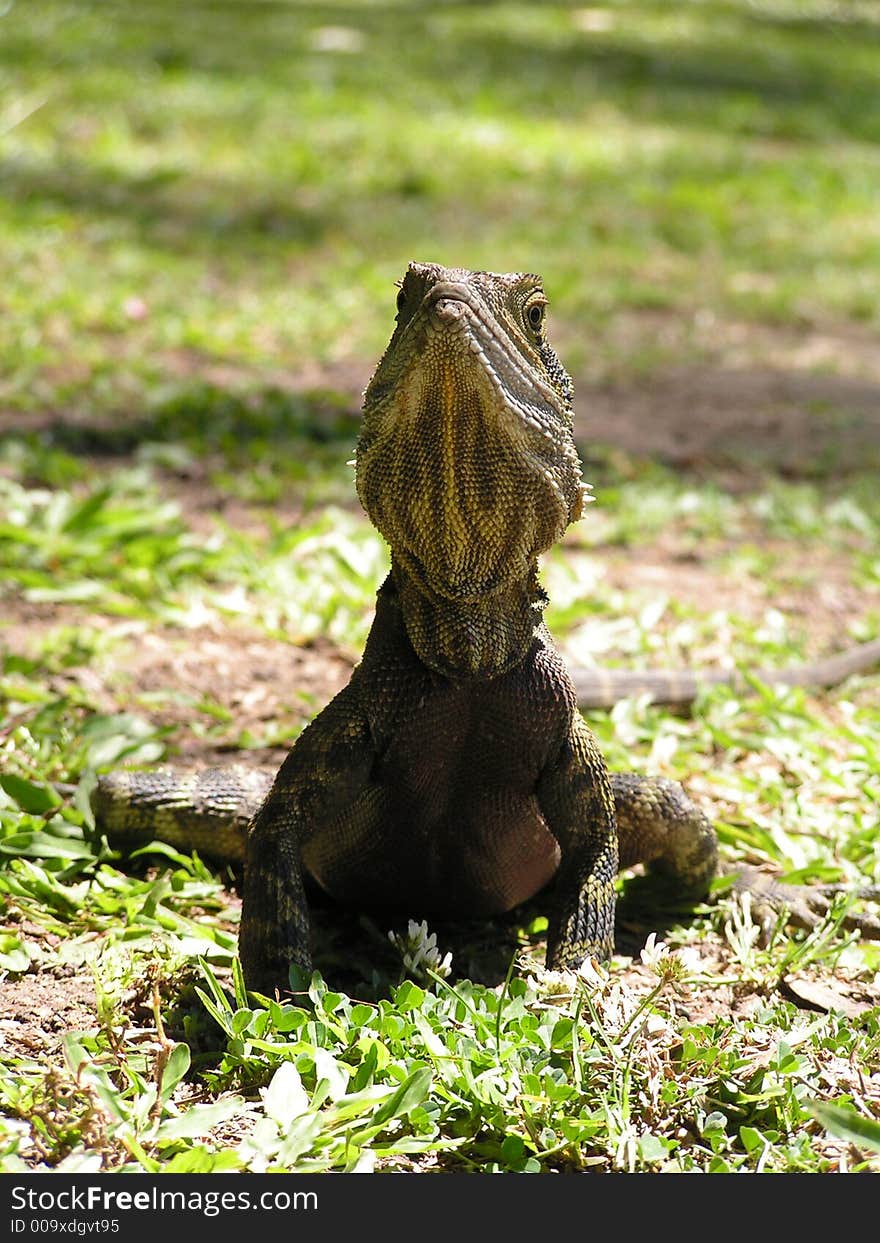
454 774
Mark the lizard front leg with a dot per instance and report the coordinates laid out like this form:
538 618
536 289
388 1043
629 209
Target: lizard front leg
574 794
323 775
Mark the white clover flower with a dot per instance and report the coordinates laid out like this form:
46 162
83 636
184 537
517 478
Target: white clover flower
668 965
741 931
419 952
654 951
690 959
593 973
553 983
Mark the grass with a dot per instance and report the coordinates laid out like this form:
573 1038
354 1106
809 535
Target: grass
204 219
244 188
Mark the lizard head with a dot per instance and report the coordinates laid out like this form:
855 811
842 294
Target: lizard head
466 461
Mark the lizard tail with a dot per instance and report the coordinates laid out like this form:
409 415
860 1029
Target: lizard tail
603 688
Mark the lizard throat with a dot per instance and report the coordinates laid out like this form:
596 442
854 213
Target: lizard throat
465 493
469 639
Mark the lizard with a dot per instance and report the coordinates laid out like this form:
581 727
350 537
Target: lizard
454 774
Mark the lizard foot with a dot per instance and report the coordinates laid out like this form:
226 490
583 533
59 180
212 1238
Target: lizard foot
803 906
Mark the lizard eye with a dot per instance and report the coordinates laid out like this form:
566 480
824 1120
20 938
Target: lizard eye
535 316
401 299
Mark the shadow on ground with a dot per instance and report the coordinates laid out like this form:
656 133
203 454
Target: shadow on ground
755 419
791 423
201 415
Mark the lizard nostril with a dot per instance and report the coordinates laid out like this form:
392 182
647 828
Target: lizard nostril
448 310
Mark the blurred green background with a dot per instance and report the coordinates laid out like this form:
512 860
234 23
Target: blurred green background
191 183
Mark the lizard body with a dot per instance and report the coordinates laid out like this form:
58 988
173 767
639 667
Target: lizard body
454 773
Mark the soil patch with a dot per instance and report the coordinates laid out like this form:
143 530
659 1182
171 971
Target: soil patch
731 422
41 1007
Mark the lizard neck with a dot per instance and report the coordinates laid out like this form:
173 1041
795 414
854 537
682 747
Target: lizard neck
475 637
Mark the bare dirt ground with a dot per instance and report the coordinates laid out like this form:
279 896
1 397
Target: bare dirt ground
753 413
39 1008
784 400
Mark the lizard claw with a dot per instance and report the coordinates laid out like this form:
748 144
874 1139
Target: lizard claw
804 906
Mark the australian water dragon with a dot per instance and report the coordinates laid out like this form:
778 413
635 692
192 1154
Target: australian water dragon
454 774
